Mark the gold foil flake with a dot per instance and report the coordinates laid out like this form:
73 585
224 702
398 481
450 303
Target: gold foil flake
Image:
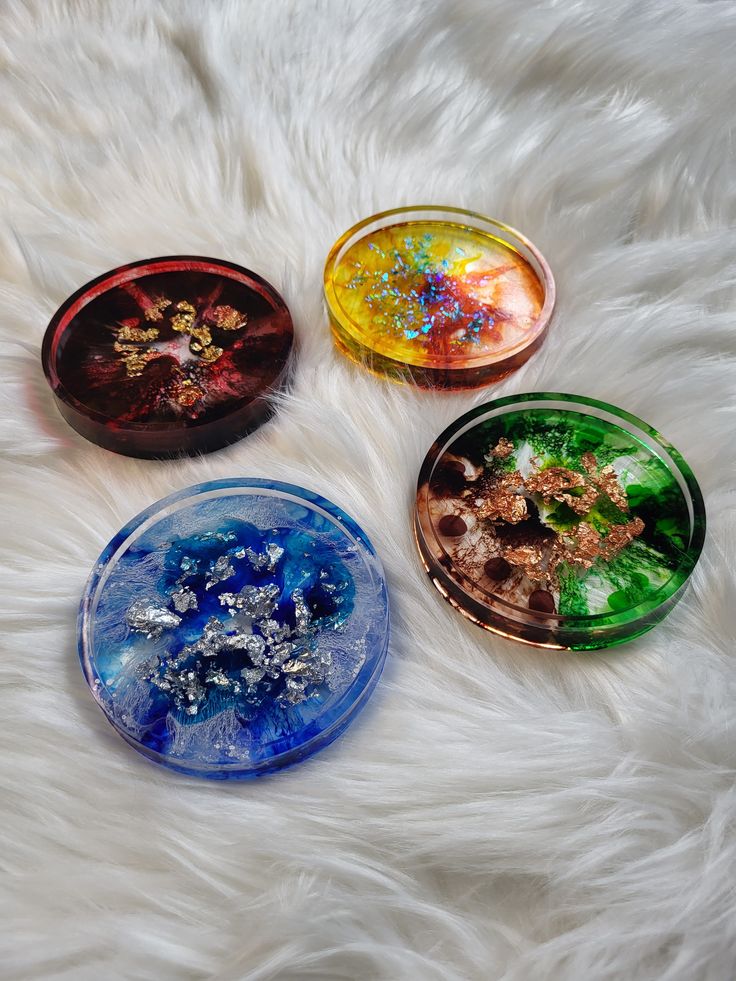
566 486
210 353
503 449
608 482
227 318
138 334
183 321
154 310
530 559
135 359
584 547
619 537
202 336
186 393
502 500
589 462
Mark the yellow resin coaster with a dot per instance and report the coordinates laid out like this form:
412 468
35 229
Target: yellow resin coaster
438 296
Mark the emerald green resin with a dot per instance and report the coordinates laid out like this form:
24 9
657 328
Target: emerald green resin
559 438
498 539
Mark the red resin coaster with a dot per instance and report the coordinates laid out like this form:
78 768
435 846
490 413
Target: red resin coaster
179 354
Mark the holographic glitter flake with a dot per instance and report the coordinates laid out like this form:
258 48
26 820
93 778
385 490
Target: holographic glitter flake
435 297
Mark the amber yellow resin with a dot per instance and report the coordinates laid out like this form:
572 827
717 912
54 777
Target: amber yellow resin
440 301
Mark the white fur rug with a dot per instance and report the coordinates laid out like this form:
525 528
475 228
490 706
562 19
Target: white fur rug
495 812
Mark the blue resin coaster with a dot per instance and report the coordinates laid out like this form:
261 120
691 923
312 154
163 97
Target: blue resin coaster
235 627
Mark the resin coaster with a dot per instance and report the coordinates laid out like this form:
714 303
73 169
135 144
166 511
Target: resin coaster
558 521
235 627
438 296
173 355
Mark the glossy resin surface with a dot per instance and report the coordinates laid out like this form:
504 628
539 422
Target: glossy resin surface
558 520
440 297
172 355
235 627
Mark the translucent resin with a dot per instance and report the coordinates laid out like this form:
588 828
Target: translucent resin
440 297
558 521
235 627
173 355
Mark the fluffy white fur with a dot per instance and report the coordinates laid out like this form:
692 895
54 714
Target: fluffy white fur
495 812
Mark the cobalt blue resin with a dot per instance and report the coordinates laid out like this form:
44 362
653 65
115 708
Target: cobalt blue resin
235 627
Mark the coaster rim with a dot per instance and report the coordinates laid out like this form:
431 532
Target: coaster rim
73 408
162 508
524 617
423 362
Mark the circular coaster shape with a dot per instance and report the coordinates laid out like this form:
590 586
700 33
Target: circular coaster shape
235 627
166 356
558 521
438 296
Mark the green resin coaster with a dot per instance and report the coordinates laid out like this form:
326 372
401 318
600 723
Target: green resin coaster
558 521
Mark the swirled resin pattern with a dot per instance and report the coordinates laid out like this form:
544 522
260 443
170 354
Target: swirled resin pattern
168 355
236 628
560 513
446 301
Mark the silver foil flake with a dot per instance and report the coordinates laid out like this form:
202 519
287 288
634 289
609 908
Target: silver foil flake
252 676
254 601
274 631
184 599
183 686
267 559
279 653
218 536
302 615
188 566
264 659
150 619
294 691
255 647
216 676
219 571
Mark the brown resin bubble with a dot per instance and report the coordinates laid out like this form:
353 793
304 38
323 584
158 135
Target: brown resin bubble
450 475
497 569
542 601
452 525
